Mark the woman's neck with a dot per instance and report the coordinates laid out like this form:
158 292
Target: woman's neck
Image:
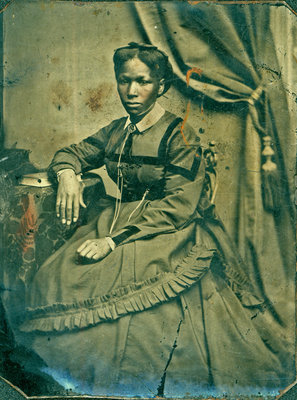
137 118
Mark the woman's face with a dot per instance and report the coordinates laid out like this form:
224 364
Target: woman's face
138 90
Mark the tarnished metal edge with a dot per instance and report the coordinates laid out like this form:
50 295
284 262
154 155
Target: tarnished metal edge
285 393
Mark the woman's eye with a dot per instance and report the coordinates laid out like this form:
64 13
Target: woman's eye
144 82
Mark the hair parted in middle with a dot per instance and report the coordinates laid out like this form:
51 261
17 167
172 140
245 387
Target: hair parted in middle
154 58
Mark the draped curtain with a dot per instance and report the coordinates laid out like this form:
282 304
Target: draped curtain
232 49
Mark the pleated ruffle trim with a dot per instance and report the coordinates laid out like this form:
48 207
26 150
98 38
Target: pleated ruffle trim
133 298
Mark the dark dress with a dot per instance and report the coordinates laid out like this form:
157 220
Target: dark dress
165 312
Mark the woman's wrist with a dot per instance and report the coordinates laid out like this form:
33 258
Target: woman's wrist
62 171
111 243
68 171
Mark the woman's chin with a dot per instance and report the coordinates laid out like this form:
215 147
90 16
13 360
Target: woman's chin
136 113
134 110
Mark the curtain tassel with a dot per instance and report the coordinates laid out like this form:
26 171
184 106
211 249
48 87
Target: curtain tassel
270 177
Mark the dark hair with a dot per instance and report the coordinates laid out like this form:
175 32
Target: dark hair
150 55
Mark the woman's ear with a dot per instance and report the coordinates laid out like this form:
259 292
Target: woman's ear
161 87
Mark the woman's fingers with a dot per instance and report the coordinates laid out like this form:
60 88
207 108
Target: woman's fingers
75 208
83 246
69 206
61 205
58 203
63 210
69 198
88 249
81 200
91 253
97 256
95 249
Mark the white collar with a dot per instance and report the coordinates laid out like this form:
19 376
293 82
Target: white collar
149 119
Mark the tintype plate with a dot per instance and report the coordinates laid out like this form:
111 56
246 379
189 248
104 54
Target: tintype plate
193 294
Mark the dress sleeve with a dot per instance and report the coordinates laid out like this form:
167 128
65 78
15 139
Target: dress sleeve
184 180
84 156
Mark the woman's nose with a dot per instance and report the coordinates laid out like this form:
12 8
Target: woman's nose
132 89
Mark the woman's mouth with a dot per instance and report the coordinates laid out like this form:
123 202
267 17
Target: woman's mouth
132 104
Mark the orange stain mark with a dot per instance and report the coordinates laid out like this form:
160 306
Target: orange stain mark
28 225
191 71
184 123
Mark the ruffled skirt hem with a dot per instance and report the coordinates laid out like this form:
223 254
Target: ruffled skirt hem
132 298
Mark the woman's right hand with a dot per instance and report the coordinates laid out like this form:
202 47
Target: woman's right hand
69 197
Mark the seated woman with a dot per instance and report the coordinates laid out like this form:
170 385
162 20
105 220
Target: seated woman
139 301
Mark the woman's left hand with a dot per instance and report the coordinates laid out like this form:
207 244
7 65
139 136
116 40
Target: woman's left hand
93 250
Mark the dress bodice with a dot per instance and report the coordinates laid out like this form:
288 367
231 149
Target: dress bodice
144 167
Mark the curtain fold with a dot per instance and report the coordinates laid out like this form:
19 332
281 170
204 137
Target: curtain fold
234 48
